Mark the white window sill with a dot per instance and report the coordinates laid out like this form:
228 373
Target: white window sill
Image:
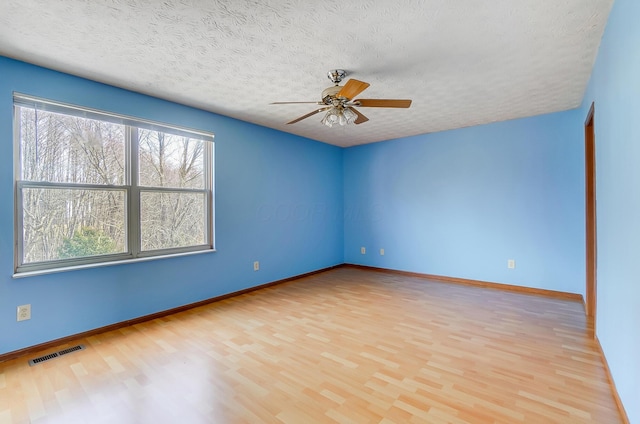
101 264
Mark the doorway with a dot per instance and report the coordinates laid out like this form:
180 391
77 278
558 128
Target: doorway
590 218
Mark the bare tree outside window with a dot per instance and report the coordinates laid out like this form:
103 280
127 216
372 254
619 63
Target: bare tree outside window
168 160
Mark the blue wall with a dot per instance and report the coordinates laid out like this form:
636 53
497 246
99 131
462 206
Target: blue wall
615 89
461 203
278 200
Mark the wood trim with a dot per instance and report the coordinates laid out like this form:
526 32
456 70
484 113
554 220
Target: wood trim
590 215
485 284
614 390
590 114
57 342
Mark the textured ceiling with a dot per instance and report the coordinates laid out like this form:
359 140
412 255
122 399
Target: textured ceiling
463 62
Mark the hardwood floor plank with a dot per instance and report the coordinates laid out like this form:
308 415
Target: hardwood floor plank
344 346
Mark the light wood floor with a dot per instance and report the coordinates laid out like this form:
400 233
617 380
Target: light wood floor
344 346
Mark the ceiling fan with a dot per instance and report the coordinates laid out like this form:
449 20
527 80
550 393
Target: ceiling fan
340 104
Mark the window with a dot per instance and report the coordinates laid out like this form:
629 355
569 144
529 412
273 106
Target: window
93 187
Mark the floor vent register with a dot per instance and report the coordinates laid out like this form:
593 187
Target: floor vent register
54 355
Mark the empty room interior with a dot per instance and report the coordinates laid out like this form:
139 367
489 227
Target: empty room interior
319 212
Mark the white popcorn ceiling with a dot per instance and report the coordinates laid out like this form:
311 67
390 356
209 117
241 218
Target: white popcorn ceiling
463 62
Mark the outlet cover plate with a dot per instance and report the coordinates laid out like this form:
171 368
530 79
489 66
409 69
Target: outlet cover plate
24 312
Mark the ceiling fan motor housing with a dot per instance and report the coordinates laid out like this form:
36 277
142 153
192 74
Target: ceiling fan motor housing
329 94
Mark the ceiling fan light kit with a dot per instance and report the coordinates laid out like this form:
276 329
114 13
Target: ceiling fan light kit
339 115
340 104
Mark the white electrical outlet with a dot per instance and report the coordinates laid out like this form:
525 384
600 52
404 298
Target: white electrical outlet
363 250
256 266
24 312
381 252
511 264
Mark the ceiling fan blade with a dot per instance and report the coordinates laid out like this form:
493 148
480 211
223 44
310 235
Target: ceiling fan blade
361 118
352 88
309 114
291 103
383 103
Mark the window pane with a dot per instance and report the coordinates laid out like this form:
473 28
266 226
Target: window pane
172 219
168 160
70 149
72 223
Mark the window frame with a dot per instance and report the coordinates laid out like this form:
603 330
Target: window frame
131 187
